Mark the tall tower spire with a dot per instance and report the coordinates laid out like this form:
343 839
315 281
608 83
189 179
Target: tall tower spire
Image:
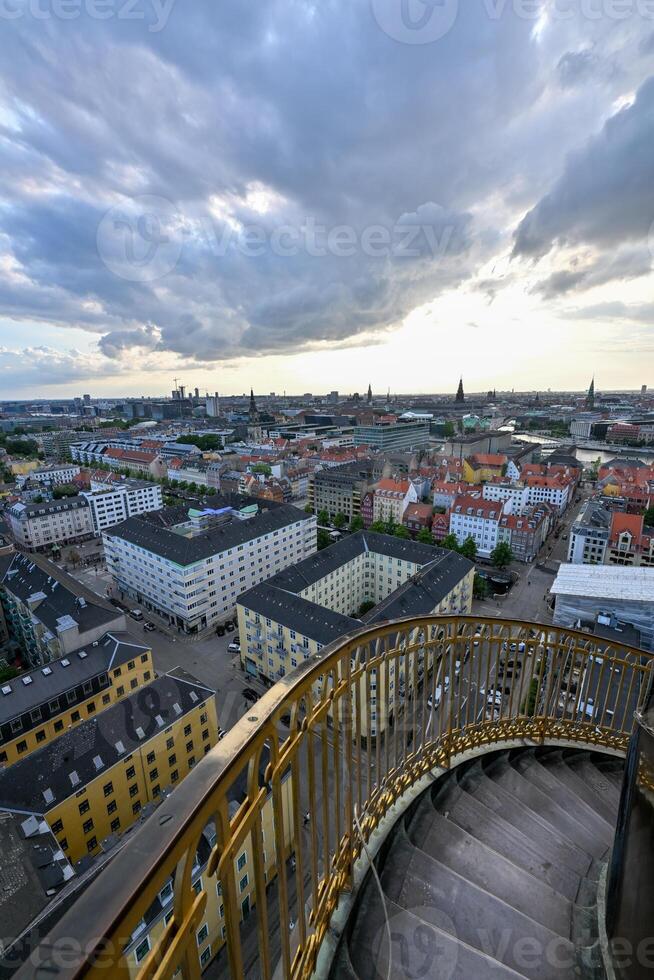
253 415
460 396
590 397
370 394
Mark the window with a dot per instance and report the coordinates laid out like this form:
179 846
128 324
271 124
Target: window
90 707
118 671
84 807
22 746
63 844
75 716
203 934
120 691
115 825
154 774
58 726
205 734
156 790
112 807
170 743
53 706
205 956
136 806
134 683
203 719
191 761
57 827
150 758
91 844
189 746
243 883
133 790
174 776
35 715
106 698
142 950
197 886
144 658
130 773
242 861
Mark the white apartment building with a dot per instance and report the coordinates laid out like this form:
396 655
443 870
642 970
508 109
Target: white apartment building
518 494
53 522
391 499
55 475
589 535
192 573
549 490
479 519
112 503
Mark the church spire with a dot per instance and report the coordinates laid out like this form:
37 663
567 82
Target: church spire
253 415
370 394
460 397
590 397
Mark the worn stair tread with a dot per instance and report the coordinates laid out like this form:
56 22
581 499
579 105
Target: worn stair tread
566 773
550 813
477 819
545 777
550 841
471 857
415 880
453 958
596 779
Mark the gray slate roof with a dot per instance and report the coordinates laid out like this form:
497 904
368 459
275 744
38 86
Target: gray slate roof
57 677
167 543
92 748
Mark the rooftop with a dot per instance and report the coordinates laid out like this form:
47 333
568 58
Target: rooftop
35 687
632 584
163 540
51 774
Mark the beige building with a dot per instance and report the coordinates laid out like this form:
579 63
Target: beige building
38 526
364 579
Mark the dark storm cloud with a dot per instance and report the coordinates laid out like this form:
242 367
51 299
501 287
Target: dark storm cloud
274 176
604 196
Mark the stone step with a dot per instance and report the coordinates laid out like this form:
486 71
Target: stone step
458 850
550 841
566 823
490 827
418 882
545 777
418 947
564 771
593 775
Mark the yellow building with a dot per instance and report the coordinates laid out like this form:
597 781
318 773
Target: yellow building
94 780
293 615
38 706
482 467
210 934
20 467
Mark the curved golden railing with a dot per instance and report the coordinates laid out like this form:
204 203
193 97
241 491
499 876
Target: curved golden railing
348 732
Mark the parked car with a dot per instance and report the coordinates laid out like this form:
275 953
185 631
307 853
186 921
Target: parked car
148 626
221 733
220 630
136 614
234 648
494 698
433 701
229 626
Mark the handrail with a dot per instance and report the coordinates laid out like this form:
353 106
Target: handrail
469 682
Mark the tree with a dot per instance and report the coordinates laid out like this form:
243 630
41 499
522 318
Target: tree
340 521
308 509
65 490
469 549
366 607
480 588
448 430
324 539
390 526
424 536
401 531
262 468
356 524
648 518
379 527
74 556
323 518
450 542
501 555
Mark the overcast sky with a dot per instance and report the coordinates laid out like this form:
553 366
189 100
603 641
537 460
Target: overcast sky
303 196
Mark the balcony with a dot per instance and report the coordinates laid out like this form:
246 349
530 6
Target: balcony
314 745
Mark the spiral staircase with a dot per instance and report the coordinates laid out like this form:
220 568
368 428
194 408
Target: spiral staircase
492 873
